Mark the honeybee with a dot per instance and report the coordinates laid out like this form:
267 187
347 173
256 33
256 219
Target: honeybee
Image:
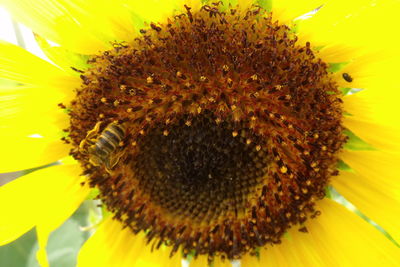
104 148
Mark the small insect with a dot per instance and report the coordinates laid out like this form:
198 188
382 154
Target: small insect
347 77
104 148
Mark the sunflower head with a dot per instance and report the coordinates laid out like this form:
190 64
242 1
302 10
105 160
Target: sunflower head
213 132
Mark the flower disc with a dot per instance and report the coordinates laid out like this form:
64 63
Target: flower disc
213 133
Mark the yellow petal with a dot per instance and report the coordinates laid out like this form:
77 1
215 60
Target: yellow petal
19 65
373 111
113 19
356 23
373 70
249 260
58 21
93 251
221 263
378 135
373 198
63 57
17 217
337 237
287 10
201 260
374 117
113 245
383 166
26 152
158 258
27 111
31 199
338 53
374 106
64 198
155 10
31 126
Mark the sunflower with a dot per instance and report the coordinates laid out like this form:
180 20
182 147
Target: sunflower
211 131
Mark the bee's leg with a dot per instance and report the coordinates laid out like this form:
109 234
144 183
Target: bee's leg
94 131
109 165
90 134
94 160
82 145
113 160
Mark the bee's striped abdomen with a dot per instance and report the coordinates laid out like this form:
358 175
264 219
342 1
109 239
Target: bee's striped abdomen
107 143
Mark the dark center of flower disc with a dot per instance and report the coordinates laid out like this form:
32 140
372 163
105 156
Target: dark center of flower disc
200 171
213 133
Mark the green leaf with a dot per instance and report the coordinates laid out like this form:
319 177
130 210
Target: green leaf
336 67
257 252
341 165
350 91
138 21
226 4
318 48
266 4
18 253
96 213
190 255
356 143
295 27
64 244
345 91
93 193
332 193
328 193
